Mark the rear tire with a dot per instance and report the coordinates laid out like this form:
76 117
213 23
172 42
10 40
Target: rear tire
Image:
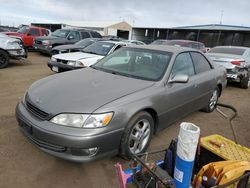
211 105
4 59
244 83
137 135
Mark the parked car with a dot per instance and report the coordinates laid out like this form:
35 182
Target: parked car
28 33
117 104
236 60
88 56
78 46
184 43
61 37
10 48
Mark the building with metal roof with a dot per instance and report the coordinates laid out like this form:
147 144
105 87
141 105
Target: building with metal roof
211 35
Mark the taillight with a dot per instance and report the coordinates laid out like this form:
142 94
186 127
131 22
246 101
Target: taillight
236 63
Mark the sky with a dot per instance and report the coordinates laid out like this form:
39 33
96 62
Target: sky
138 13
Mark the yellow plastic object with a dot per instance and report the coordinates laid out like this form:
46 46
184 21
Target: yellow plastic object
225 148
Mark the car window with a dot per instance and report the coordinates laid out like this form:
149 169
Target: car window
34 32
61 33
95 35
85 35
99 48
137 63
183 65
74 35
201 64
196 45
44 32
227 50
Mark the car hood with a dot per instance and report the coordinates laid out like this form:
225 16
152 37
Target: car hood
74 56
66 47
82 91
14 34
51 38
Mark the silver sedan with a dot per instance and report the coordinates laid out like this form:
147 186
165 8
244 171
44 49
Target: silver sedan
116 105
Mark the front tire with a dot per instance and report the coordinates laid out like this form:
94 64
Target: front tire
137 135
245 82
4 59
211 105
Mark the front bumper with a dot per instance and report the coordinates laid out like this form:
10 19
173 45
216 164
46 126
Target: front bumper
74 146
42 48
61 67
17 53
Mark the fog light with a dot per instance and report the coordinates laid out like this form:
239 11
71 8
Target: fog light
93 151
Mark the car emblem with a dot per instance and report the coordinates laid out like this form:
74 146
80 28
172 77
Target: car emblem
38 101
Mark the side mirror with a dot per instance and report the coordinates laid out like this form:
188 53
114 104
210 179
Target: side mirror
179 78
71 37
28 34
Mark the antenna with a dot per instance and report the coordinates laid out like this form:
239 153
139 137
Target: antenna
221 16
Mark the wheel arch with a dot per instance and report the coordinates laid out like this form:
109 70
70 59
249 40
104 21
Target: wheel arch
153 114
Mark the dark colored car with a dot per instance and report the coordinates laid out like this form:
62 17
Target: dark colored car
28 34
183 43
61 37
116 105
77 47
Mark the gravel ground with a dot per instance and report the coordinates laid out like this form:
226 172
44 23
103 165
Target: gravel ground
23 165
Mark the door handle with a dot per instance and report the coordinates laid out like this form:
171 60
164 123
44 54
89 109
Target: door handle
195 85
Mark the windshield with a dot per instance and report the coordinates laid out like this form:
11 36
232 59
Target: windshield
234 51
137 63
61 33
99 48
23 30
85 42
159 42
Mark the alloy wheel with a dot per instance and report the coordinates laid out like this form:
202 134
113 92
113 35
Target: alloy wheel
139 136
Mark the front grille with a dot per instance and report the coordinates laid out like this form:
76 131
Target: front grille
35 110
230 71
62 61
38 42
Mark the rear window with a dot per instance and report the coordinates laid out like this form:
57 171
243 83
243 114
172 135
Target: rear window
234 51
96 35
85 35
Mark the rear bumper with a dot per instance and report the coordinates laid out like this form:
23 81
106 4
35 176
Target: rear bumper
70 147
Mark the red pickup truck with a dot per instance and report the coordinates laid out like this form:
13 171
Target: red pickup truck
27 34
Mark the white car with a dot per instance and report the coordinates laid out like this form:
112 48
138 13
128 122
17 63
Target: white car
87 57
10 48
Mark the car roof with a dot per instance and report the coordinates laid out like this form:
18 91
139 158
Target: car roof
239 47
113 41
166 48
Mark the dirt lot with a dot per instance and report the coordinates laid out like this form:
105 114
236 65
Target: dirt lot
24 165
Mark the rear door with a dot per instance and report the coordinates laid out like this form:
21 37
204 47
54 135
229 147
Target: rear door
205 80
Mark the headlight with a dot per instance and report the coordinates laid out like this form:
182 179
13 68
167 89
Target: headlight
53 59
13 45
79 64
83 120
71 63
45 42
